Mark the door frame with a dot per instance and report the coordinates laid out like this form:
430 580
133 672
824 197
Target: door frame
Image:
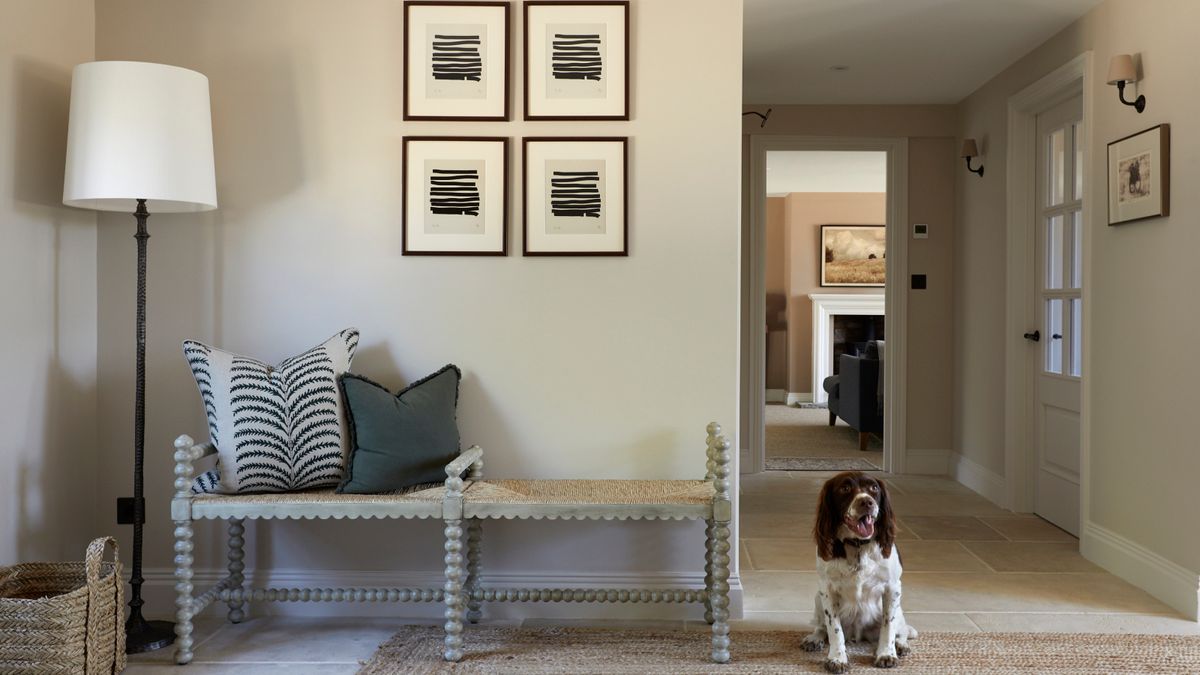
895 296
1075 78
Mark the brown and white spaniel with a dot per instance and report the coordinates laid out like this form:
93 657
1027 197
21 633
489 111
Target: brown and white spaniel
858 570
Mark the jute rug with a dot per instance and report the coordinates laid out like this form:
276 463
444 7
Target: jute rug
819 464
594 651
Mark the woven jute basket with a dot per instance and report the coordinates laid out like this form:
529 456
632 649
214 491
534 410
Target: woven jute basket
63 617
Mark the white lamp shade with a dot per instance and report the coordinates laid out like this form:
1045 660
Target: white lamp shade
969 149
139 131
1120 69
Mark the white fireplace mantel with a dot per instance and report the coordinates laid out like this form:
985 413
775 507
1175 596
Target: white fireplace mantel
825 307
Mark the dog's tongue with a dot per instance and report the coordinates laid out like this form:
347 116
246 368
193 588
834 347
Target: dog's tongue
863 527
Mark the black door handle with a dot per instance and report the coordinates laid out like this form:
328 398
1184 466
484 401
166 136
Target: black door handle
1056 336
1035 336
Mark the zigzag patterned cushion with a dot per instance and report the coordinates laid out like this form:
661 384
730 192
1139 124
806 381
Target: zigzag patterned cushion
276 429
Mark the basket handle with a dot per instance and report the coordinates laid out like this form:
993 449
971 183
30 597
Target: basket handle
95 556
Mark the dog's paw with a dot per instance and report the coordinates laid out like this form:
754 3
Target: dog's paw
887 661
903 649
832 666
812 643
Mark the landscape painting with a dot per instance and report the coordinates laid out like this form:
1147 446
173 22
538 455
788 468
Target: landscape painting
853 255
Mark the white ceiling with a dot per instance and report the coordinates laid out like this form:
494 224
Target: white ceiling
836 171
897 51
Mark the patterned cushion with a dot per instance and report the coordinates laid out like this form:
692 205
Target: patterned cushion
276 429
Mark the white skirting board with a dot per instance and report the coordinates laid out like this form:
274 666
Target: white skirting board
927 462
802 397
159 593
1175 585
979 478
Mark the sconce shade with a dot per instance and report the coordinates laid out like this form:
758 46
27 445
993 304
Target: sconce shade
969 148
139 131
1120 69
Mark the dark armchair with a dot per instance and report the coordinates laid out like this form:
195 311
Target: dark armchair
855 395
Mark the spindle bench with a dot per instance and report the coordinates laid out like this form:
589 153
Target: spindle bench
707 500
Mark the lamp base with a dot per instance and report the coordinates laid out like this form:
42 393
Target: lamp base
148 636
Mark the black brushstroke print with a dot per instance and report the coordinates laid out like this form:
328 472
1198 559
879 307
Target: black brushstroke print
576 57
575 193
454 192
456 57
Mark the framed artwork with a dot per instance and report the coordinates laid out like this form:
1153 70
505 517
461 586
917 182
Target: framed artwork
575 196
577 60
456 60
853 255
455 196
1139 176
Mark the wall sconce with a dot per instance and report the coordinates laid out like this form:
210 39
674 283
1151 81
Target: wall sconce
969 152
1120 71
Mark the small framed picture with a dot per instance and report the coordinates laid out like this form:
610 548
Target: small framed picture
853 255
1139 176
455 196
577 60
456 60
575 196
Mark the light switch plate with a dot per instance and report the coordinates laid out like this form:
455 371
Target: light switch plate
920 230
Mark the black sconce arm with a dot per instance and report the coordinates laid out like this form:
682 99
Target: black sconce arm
1139 104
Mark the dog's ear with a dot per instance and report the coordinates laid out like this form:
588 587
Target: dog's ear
828 520
885 524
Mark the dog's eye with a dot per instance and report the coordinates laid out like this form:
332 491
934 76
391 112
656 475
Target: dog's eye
845 487
873 488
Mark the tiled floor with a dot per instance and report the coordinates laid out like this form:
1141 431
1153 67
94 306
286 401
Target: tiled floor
969 566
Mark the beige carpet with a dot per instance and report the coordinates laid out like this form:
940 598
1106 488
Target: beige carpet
805 432
593 651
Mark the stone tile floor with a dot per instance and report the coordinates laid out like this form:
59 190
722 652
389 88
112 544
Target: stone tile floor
969 566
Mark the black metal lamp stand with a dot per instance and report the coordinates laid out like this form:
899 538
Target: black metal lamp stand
140 635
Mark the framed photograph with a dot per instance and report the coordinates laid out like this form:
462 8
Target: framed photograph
456 60
1139 176
853 255
575 196
455 196
577 60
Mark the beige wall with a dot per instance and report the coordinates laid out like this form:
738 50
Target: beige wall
596 367
806 213
47 290
1141 275
932 161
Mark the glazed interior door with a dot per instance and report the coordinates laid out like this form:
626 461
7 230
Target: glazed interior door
1059 269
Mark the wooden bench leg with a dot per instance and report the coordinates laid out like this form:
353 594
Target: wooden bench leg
474 551
863 439
453 588
708 569
237 555
720 593
183 591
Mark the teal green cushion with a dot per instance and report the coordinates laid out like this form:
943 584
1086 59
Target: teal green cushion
402 440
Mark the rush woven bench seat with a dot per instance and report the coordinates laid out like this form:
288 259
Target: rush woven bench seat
707 500
186 507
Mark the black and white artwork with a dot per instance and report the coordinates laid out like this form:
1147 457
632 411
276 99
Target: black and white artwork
455 196
577 60
575 196
456 60
1139 176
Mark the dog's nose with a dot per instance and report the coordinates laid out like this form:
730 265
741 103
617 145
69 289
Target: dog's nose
864 501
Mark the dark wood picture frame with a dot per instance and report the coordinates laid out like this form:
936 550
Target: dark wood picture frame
624 141
408 5
525 55
504 141
1163 180
822 261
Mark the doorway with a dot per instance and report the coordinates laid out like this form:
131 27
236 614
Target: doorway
797 375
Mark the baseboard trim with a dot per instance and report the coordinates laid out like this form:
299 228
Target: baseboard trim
776 396
1175 585
159 592
979 478
927 462
799 397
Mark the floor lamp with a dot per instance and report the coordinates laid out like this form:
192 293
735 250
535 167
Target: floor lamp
139 139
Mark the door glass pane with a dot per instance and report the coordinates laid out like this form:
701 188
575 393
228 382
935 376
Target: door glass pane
1076 238
1076 337
1077 141
1054 252
1053 327
1056 166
